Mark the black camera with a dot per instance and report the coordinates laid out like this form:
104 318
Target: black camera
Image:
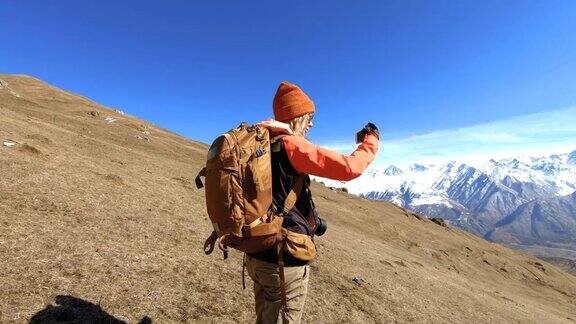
321 226
368 129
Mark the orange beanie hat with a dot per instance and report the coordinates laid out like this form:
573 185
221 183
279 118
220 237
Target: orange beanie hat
291 102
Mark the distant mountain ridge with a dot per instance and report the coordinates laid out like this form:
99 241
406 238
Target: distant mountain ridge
486 200
549 220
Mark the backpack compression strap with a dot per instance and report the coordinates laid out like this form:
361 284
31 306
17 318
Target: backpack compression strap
284 309
198 181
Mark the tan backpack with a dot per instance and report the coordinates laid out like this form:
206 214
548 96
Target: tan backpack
238 186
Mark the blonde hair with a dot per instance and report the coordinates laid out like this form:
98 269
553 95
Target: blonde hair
299 124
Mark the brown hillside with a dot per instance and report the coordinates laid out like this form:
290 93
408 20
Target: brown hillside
102 218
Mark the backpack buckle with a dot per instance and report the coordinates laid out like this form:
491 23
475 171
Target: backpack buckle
259 133
260 151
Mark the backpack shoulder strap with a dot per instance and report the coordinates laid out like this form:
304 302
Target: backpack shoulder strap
275 146
276 138
293 194
275 143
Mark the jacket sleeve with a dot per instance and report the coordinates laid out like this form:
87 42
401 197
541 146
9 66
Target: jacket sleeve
311 159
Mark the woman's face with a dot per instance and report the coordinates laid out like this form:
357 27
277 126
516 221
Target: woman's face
309 123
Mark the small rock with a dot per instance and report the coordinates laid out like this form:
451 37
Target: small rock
110 119
384 262
416 216
144 129
113 178
30 149
94 113
118 111
358 281
439 221
9 143
401 263
539 266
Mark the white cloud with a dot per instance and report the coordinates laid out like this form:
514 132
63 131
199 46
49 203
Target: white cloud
535 134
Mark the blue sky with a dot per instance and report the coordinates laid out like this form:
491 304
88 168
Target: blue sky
442 79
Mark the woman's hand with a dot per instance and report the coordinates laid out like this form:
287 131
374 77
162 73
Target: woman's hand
276 127
370 128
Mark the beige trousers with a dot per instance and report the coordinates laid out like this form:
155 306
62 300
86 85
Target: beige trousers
266 277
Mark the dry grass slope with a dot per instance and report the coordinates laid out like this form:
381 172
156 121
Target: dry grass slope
103 218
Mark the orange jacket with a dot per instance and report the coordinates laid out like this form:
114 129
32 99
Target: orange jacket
311 159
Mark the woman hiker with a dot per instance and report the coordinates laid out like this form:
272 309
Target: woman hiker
293 159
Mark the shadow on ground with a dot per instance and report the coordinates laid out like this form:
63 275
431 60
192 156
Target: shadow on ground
72 310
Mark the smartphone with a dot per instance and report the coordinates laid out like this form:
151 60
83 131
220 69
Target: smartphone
360 136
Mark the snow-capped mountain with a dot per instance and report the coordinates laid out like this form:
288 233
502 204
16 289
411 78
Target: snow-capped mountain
572 158
475 198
